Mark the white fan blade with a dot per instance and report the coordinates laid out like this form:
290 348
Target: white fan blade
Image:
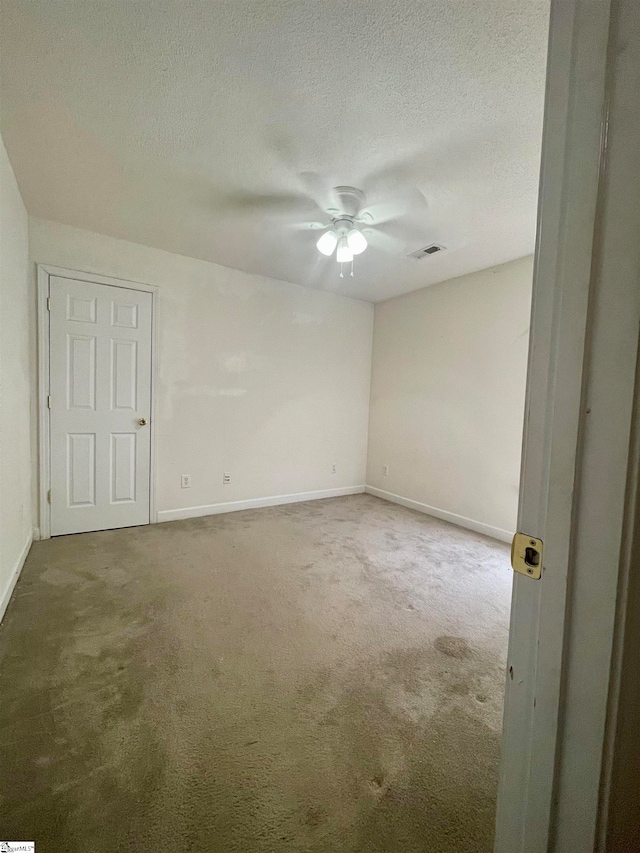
317 188
307 226
379 240
411 203
268 204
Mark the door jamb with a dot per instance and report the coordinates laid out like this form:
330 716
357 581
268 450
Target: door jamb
565 625
44 273
569 181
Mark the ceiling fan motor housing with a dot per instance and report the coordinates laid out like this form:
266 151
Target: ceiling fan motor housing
343 224
351 200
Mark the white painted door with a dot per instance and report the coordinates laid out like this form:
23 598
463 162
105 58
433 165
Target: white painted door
100 385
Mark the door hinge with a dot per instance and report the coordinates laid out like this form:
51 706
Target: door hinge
48 401
526 555
48 303
49 496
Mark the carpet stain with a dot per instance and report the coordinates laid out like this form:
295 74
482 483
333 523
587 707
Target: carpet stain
453 647
291 678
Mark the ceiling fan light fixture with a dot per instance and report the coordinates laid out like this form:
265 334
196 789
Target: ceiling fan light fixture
327 243
344 254
356 241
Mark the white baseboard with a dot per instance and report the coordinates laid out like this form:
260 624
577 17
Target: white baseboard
255 503
13 579
443 514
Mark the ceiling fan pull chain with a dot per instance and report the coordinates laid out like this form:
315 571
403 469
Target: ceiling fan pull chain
341 273
351 267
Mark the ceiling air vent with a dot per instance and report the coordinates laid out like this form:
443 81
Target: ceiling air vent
428 250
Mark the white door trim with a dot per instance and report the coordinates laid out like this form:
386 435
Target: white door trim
45 272
578 423
569 180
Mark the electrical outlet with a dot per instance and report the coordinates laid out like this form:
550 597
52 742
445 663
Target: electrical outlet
334 468
385 470
226 478
185 481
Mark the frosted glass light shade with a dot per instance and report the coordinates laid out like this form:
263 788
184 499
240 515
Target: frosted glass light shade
357 241
344 254
327 243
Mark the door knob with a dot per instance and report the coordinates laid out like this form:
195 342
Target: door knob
142 421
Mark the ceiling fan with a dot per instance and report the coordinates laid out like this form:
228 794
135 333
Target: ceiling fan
342 235
348 222
345 233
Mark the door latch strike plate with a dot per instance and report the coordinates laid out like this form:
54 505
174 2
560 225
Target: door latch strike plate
526 555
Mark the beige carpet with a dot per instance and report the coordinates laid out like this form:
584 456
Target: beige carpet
317 677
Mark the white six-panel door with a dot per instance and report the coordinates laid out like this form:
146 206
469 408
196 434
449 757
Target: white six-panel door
100 385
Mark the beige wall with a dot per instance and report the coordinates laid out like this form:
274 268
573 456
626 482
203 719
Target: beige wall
264 379
447 396
15 334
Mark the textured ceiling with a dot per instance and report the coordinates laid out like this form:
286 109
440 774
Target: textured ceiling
170 123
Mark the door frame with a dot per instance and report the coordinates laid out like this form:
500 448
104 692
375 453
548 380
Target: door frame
561 691
44 274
